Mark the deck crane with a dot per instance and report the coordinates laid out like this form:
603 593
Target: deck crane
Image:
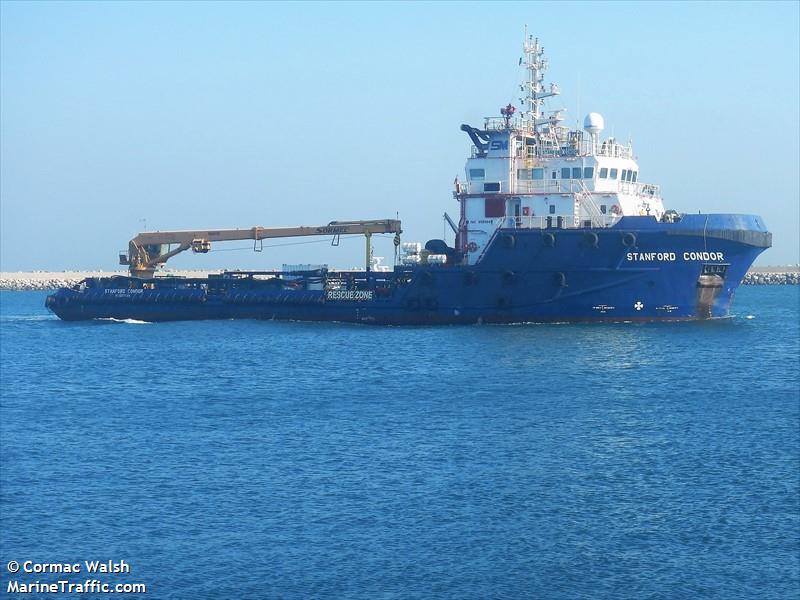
150 250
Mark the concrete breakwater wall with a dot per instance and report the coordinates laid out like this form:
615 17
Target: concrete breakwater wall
41 280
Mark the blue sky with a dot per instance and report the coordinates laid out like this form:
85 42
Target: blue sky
118 115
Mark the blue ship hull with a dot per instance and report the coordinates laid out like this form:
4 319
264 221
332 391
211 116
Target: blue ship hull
638 270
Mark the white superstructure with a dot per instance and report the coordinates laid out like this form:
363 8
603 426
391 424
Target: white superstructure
527 170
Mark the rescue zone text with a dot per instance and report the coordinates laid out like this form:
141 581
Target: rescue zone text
349 295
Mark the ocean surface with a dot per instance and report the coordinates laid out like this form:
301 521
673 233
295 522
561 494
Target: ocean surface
245 459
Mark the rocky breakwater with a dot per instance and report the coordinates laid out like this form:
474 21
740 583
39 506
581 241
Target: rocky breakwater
51 280
772 277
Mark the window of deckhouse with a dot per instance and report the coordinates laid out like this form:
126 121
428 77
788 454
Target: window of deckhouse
624 175
604 173
612 174
635 176
552 209
603 208
494 207
565 173
576 172
491 187
588 172
538 173
477 173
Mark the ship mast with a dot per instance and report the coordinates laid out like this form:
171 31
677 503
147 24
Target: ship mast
535 93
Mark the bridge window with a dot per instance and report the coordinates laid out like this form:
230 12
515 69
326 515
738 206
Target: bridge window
477 173
565 173
624 175
635 176
576 172
492 187
628 175
588 172
613 174
526 174
604 173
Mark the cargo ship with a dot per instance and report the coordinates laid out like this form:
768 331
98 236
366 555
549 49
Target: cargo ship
554 225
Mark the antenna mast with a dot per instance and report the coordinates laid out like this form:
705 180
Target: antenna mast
536 64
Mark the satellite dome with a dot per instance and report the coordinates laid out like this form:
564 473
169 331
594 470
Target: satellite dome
593 123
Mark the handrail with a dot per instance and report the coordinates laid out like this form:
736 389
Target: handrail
539 222
568 186
584 199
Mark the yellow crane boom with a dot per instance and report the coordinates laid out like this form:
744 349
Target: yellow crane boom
150 250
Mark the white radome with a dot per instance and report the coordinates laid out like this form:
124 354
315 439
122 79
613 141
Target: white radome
593 123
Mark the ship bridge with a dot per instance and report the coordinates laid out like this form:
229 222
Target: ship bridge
526 169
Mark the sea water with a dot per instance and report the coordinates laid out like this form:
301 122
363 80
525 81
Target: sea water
247 459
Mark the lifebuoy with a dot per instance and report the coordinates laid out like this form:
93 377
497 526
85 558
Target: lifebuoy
616 209
472 247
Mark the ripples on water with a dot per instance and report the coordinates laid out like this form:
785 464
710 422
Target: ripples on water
289 460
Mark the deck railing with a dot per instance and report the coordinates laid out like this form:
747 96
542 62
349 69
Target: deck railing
568 186
556 221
